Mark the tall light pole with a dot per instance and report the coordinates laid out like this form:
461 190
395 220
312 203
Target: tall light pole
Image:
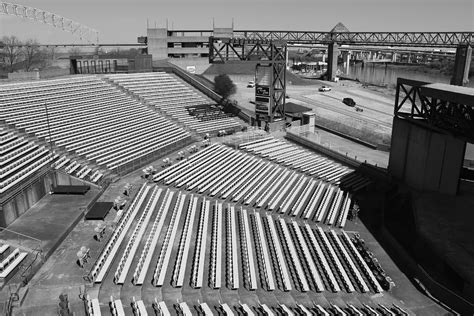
49 136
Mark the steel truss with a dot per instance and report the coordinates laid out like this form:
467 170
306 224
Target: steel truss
450 112
83 32
415 39
269 54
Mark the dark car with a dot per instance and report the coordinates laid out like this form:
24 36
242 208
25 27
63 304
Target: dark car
348 101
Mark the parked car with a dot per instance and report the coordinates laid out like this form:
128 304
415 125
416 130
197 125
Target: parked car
324 89
349 101
251 84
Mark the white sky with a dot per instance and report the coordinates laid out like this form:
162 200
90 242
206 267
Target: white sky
121 21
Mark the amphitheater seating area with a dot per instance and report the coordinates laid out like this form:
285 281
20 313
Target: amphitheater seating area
290 255
20 158
309 162
222 172
96 123
170 95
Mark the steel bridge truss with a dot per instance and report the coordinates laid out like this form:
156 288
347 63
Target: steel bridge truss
445 111
83 32
271 54
416 39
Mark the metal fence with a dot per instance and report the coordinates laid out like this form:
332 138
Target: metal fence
252 133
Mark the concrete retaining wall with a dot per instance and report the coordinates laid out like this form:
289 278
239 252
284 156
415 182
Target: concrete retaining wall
326 151
24 197
199 63
425 159
51 73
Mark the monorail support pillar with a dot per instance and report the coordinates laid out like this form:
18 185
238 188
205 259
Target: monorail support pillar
462 63
333 52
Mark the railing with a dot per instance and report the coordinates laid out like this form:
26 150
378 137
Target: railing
252 133
28 270
197 84
21 236
446 297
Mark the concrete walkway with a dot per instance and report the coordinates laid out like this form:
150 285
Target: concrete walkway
49 220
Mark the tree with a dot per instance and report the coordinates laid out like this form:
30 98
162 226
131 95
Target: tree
11 51
32 54
224 86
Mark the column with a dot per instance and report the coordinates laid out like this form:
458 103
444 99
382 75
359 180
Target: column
462 62
394 57
347 61
333 52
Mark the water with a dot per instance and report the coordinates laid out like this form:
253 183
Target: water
387 74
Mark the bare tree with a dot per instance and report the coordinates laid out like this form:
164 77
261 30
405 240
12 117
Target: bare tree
11 51
32 54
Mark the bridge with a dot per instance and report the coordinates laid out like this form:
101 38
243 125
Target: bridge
410 39
197 41
163 43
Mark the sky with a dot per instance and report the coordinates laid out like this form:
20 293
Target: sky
122 21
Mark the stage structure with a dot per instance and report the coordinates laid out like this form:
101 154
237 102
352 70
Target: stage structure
270 72
432 123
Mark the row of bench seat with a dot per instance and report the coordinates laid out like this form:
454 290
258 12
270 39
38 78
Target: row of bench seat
216 248
20 158
135 239
172 96
200 246
232 249
226 173
102 264
184 244
10 261
289 255
311 163
138 308
152 240
167 246
90 117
